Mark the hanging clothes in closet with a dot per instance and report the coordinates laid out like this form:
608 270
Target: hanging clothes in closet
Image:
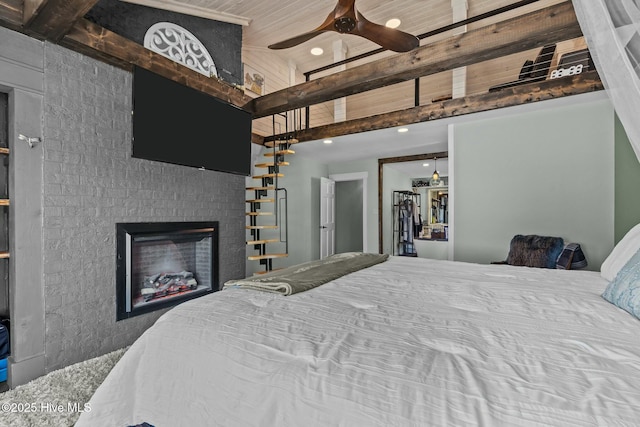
407 222
417 219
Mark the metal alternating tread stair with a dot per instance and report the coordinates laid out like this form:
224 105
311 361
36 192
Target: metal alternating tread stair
262 200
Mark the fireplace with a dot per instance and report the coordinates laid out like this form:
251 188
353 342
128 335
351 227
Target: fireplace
161 264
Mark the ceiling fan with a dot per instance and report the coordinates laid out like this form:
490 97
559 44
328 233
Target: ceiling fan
345 19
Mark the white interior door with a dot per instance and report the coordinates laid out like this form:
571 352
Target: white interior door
327 217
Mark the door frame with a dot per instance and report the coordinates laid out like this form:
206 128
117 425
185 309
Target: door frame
381 163
364 177
327 217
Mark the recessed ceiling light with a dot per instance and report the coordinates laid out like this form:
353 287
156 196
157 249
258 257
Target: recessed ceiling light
393 23
327 141
403 130
317 51
425 164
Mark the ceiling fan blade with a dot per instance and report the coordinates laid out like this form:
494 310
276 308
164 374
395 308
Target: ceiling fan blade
296 40
388 38
345 7
327 25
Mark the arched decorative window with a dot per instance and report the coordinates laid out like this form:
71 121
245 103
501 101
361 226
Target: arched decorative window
180 45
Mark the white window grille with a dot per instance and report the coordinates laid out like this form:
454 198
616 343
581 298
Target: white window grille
180 45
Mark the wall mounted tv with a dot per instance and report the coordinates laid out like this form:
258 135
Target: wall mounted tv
173 123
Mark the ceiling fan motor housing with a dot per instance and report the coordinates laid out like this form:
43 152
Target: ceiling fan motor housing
344 24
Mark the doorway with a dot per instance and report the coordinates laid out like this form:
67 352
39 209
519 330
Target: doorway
350 212
385 241
349 207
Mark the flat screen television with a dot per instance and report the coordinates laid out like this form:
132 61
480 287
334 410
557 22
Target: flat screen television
176 124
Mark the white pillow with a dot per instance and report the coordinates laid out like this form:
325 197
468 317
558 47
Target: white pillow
621 253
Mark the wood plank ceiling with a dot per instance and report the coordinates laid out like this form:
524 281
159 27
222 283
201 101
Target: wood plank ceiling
63 22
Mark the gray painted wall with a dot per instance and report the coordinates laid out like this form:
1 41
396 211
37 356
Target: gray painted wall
627 179
72 189
551 174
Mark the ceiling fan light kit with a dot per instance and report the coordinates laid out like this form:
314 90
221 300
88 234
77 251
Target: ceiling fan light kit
345 19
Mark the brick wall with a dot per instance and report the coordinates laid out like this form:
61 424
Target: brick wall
90 182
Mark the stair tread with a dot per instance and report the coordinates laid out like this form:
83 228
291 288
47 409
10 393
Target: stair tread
259 213
4 150
260 227
261 200
260 188
266 256
270 144
266 165
268 175
4 254
262 241
271 153
4 202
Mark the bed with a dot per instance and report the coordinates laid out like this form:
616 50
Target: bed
405 342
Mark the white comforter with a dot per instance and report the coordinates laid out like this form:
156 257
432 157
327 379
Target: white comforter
409 342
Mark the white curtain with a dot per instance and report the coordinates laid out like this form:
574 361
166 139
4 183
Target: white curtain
612 31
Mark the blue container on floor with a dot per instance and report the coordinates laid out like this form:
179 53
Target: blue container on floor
3 369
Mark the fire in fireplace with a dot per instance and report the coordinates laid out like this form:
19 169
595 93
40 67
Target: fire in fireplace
161 264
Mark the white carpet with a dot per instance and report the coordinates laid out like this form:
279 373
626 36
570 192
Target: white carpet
56 399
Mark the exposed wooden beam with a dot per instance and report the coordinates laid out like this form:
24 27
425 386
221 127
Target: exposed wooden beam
528 31
87 37
31 9
11 13
507 97
413 157
96 54
257 139
54 18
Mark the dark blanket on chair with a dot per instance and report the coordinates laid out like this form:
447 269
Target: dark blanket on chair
535 251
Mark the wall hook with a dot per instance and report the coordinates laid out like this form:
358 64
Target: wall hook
30 141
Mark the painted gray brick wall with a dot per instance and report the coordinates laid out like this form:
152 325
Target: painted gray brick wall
91 183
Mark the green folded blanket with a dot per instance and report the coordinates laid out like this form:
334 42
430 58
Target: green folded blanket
308 275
